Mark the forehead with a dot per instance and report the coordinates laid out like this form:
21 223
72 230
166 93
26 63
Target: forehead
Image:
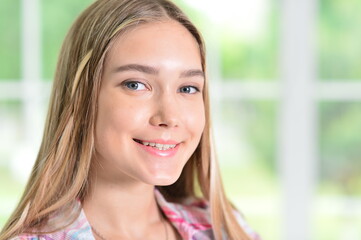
154 42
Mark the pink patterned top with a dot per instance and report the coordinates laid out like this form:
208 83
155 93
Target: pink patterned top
192 221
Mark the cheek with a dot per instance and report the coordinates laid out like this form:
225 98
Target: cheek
196 119
118 118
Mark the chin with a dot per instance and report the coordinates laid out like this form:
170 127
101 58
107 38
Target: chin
163 179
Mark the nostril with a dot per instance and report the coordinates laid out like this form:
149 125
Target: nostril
162 120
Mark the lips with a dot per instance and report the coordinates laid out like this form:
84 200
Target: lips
156 144
158 147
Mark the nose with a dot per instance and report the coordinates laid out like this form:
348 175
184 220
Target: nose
165 113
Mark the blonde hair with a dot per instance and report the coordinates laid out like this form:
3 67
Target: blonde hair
61 171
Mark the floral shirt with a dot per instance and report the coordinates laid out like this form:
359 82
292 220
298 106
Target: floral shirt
192 221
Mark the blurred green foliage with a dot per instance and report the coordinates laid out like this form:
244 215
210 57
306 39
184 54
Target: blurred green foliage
256 122
57 17
251 59
340 145
10 40
10 193
340 40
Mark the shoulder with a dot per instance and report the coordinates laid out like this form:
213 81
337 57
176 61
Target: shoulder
69 233
191 210
59 235
191 218
199 210
26 237
79 229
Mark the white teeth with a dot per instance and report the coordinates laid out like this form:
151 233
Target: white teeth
159 145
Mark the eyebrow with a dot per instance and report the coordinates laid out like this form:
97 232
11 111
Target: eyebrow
192 73
155 71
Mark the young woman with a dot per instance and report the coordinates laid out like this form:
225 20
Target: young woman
127 150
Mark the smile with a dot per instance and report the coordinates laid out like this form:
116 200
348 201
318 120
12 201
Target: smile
159 146
166 149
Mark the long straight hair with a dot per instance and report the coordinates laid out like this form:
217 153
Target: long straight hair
61 171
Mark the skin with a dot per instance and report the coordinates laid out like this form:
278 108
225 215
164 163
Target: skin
164 104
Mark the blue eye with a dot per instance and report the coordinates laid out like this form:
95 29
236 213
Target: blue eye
134 85
189 89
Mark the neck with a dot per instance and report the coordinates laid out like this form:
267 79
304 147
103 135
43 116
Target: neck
123 207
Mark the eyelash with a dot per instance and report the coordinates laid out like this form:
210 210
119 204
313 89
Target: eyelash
189 86
125 84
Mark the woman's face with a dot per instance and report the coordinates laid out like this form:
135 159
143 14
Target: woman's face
151 110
